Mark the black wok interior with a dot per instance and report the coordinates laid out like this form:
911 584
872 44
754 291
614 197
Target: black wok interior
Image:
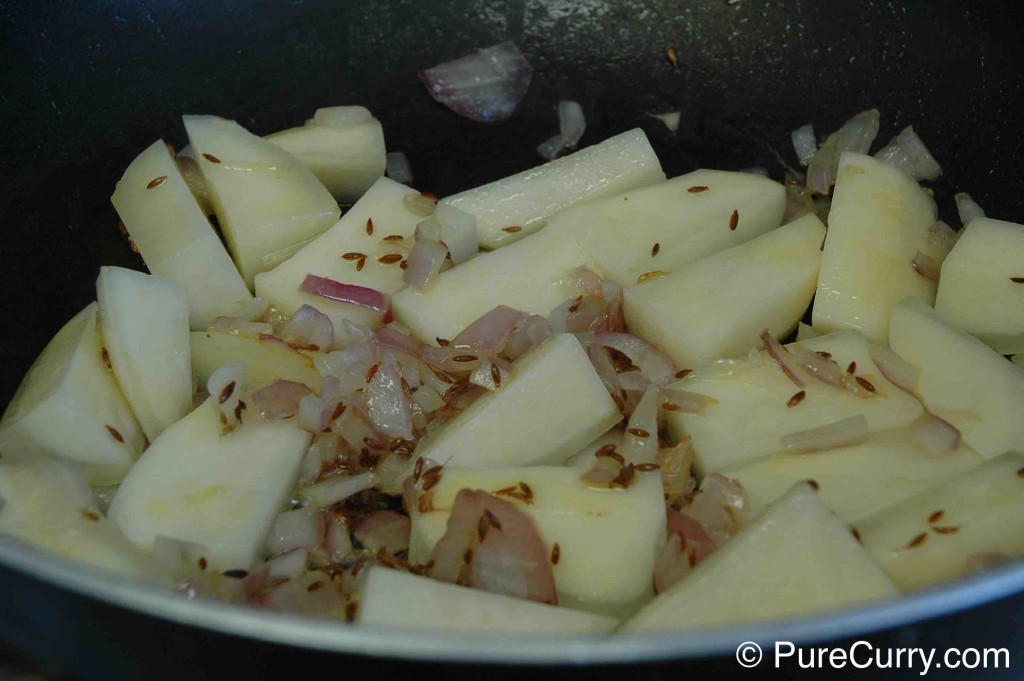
87 85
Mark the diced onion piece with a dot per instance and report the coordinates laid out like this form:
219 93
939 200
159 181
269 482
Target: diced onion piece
390 337
340 117
386 530
239 327
839 434
696 540
350 366
369 298
907 152
571 123
489 333
941 239
314 413
386 402
302 528
491 374
935 435
531 331
336 489
804 143
685 401
398 167
670 119
351 334
550 148
485 86
422 205
652 362
225 388
425 261
927 266
674 464
309 327
967 208
721 507
782 357
337 541
896 370
602 361
856 135
288 565
822 368
634 381
640 442
278 400
428 399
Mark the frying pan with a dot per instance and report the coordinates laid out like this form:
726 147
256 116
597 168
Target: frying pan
87 85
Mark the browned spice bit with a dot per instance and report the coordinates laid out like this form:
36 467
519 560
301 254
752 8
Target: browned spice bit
431 477
106 358
360 264
467 557
948 529
156 182
226 393
851 368
521 491
496 375
574 307
406 389
673 58
236 574
556 553
856 534
211 158
90 516
464 358
648 276
734 221
417 470
697 189
655 249
369 226
527 490
814 485
394 237
202 563
114 434
638 432
797 398
389 259
1017 280
353 256
918 540
404 264
350 611
372 372
936 517
865 383
609 452
625 477
315 586
339 410
441 376
670 406
238 410
280 580
647 467
484 524
1020 472
443 342
425 504
373 444
683 373
826 355
512 229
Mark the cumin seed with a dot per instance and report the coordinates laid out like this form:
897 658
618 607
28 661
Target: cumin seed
114 434
156 182
655 249
211 158
512 230
556 553
369 226
797 398
734 221
227 392
697 189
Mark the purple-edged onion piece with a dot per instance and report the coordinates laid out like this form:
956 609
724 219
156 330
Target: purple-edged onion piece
782 357
831 436
278 400
370 298
896 370
652 362
935 435
310 328
484 86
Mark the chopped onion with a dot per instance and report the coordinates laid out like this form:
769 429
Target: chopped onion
458 232
421 205
314 413
492 373
652 362
386 530
839 434
686 401
288 565
398 168
350 366
337 541
602 361
302 528
804 143
670 119
278 400
907 152
336 489
351 334
935 435
354 426
721 507
927 266
239 327
695 538
429 230
587 282
967 208
675 464
425 261
550 148
225 388
640 442
390 337
369 298
309 327
485 86
634 381
428 399
821 368
856 135
386 403
571 123
896 370
782 357
489 333
340 116
531 331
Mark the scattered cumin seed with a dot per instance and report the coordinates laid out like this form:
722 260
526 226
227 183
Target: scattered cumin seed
236 574
496 375
625 477
389 259
353 256
464 358
394 237
114 434
372 443
638 432
512 230
670 406
372 372
609 452
856 534
917 541
648 276
338 410
814 484
734 221
796 398
90 516
202 563
851 368
106 358
673 58
936 517
360 264
441 376
315 586
556 553
697 189
683 373
431 477
369 226
226 393
822 353
866 384
1017 280
948 529
156 182
404 264
443 342
655 249
211 158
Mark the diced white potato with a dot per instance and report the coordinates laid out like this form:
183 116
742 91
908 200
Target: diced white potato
962 380
620 232
793 559
266 359
553 404
607 538
382 205
878 222
584 458
399 599
221 490
343 146
49 504
175 238
752 413
531 276
69 405
144 320
943 533
527 199
718 306
268 203
978 291
858 480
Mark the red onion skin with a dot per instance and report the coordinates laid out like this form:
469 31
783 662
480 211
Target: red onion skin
278 400
369 298
780 355
485 86
488 334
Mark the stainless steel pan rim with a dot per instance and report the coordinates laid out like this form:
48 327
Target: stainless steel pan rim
152 600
